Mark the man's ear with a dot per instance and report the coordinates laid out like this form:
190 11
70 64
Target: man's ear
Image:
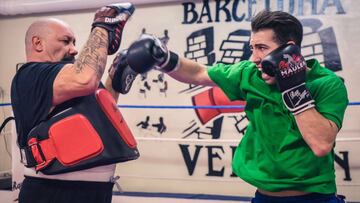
37 44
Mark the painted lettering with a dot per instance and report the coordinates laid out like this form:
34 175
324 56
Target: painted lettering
344 164
331 3
212 154
216 153
223 8
189 9
242 10
190 162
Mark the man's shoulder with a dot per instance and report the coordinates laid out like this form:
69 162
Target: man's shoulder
319 71
325 79
30 72
27 66
37 69
242 65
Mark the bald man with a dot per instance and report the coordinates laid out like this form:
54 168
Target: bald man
53 82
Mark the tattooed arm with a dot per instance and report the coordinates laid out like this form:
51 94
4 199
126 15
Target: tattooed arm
83 77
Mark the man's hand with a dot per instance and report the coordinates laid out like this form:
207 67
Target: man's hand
289 68
150 53
121 74
113 18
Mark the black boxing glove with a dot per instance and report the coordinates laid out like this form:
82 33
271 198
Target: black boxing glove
288 66
150 53
113 18
121 74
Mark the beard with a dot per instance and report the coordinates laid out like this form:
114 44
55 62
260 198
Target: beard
68 59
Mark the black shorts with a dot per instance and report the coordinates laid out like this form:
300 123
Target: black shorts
311 197
39 190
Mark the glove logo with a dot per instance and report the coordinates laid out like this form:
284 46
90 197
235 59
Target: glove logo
292 65
298 95
128 82
119 18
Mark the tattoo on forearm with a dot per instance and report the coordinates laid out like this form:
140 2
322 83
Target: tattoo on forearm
91 56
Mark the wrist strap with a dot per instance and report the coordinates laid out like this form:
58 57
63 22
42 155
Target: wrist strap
171 64
298 99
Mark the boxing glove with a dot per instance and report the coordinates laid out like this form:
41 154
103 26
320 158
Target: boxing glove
121 74
113 18
288 66
148 53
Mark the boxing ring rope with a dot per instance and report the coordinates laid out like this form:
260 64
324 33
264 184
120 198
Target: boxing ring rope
184 107
230 141
225 141
196 107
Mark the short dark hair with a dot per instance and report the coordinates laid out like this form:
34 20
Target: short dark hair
285 26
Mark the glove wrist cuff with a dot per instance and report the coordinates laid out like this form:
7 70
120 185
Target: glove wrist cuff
304 108
171 64
298 99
